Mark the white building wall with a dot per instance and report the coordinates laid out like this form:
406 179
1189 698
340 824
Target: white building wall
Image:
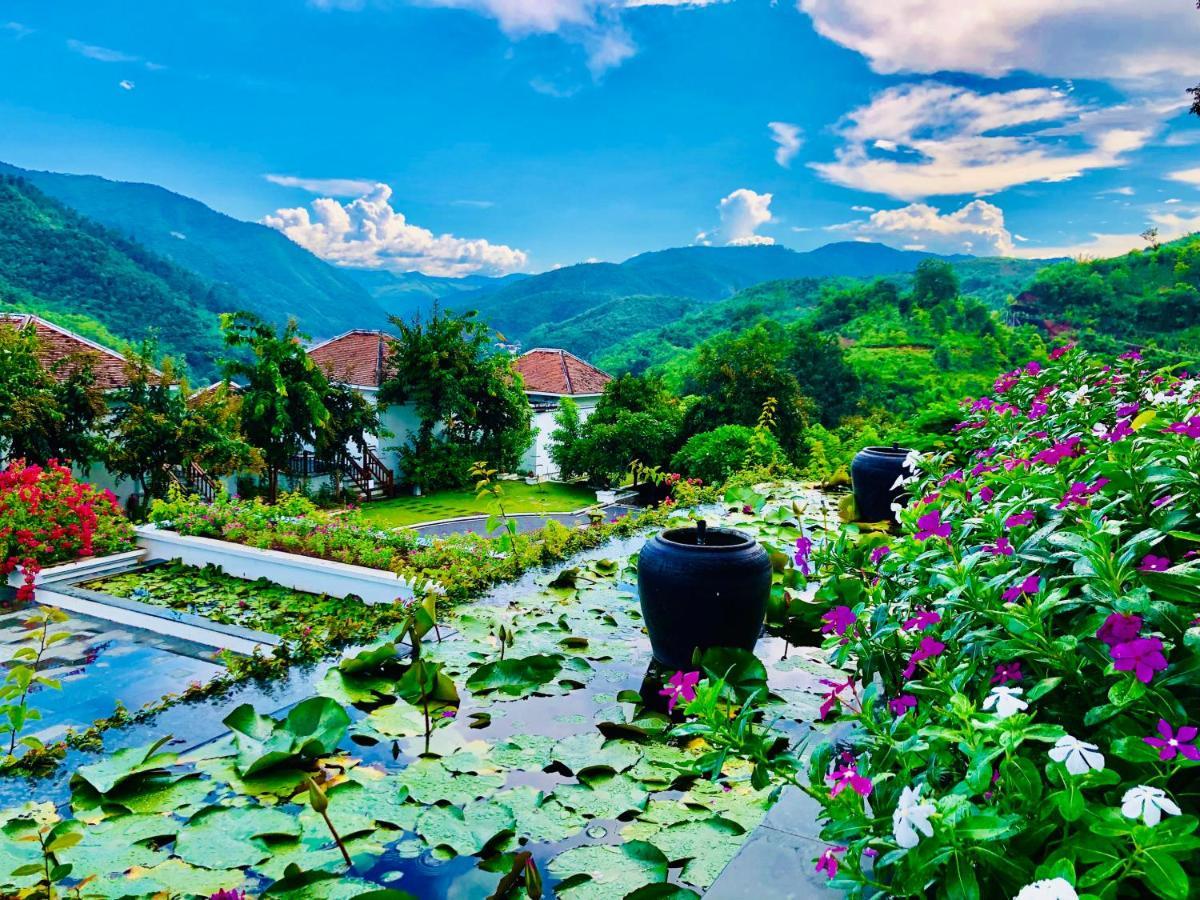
537 458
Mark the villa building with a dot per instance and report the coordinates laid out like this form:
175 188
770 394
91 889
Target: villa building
550 375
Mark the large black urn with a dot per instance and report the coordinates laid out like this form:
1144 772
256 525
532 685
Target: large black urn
874 473
702 587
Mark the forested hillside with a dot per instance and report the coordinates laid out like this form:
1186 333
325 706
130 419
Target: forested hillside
54 261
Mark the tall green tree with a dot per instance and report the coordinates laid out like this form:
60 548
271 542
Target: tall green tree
469 401
283 392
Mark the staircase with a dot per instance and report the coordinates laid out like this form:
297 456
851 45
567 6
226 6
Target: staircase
192 479
369 476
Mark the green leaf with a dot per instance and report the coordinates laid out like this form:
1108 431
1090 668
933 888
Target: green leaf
743 672
515 676
124 765
960 883
1164 875
466 830
312 728
607 872
222 837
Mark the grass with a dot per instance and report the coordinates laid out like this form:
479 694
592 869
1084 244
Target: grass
519 497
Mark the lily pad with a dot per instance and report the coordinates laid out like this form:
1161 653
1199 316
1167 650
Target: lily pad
429 781
708 845
465 830
123 766
399 719
524 751
120 843
224 837
540 817
590 751
605 872
515 677
603 796
312 728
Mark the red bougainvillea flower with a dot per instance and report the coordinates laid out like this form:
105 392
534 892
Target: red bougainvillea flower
847 777
1031 585
879 553
680 686
1019 519
902 704
922 619
838 621
828 863
931 525
1001 548
1119 628
1010 671
1152 563
1141 656
1175 743
928 649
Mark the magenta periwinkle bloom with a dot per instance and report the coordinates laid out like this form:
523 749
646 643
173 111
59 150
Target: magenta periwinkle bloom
879 553
1119 628
1058 352
838 621
1141 656
922 619
928 649
931 525
803 555
228 894
1080 493
986 494
1030 586
1152 563
828 862
680 686
847 777
1175 743
902 704
833 698
1001 548
1189 427
1005 672
1019 519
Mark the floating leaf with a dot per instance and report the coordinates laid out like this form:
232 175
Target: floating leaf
312 728
466 830
603 796
429 781
588 751
540 817
123 766
515 677
605 872
224 837
399 719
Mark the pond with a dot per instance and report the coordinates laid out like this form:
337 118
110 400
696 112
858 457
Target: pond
547 754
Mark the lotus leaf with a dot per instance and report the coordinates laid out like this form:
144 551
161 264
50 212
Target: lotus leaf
603 796
428 781
312 728
540 817
605 872
515 677
589 751
123 766
524 751
707 844
231 836
465 830
119 843
400 719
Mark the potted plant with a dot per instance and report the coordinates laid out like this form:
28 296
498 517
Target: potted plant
702 587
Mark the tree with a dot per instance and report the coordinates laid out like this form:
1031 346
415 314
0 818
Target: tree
283 392
934 283
47 414
566 440
469 401
822 372
351 418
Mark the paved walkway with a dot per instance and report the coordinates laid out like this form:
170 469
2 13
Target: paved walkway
526 522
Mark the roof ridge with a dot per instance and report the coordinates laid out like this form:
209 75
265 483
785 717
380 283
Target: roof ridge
562 358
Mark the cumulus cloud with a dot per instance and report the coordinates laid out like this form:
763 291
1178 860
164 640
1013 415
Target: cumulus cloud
742 213
789 138
932 139
332 187
368 233
979 228
1188 176
1147 42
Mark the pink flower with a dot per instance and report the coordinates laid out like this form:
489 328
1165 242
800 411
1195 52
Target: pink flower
680 686
1190 428
1031 585
1162 501
1058 352
1152 563
803 554
847 777
983 404
1131 355
838 621
1141 656
986 494
1080 493
1128 411
1006 672
928 649
879 553
923 619
833 698
1021 518
931 525
902 704
228 894
828 863
1173 743
1001 548
1122 429
1119 628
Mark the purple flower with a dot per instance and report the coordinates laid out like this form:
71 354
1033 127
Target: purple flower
1006 672
1001 548
1031 585
1173 743
879 553
1132 355
803 553
902 704
1162 501
680 686
1152 563
833 698
928 649
828 863
1190 428
986 494
1019 519
847 777
838 621
931 525
1058 352
1141 656
1080 493
228 894
449 713
1122 429
923 619
1128 411
1119 628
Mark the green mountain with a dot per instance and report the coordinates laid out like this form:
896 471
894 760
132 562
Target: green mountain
406 293
55 262
270 274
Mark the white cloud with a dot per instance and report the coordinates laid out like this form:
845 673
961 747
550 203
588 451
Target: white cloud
979 228
1173 200
18 29
368 233
940 139
1147 42
101 54
474 204
1188 176
790 139
126 85
863 208
742 213
332 187
1123 191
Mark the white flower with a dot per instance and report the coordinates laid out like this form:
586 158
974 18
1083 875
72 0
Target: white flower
1080 757
1048 889
1148 804
901 482
911 460
1005 701
910 817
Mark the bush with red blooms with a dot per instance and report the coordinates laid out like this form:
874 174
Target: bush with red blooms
48 517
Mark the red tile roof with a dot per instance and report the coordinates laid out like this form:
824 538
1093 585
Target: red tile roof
356 357
59 349
549 371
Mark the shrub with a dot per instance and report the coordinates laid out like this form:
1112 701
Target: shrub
713 456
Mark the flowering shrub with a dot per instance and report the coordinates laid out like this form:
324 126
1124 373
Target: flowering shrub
1024 692
48 517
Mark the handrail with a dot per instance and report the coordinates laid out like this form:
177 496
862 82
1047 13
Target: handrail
379 471
194 480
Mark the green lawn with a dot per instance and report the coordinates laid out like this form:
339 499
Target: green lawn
519 497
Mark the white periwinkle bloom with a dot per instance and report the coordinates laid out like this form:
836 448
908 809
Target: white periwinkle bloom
1148 804
1079 756
911 460
1048 889
911 816
1005 701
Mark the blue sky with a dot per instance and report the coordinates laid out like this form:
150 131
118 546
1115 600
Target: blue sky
524 134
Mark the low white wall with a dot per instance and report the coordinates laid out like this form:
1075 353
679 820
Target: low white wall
302 573
81 569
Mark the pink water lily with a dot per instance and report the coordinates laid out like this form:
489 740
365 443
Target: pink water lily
931 525
1119 628
680 686
1152 563
1141 656
838 621
1175 743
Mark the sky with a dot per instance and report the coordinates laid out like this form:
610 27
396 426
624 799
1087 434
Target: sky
458 137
